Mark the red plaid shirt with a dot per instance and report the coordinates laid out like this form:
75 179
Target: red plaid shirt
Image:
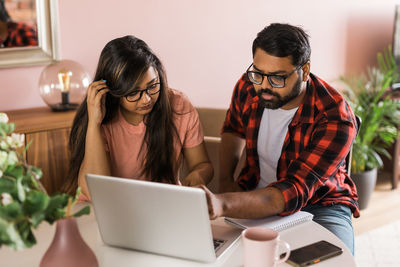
311 168
20 34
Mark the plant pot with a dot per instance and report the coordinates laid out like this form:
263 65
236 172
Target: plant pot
68 248
365 183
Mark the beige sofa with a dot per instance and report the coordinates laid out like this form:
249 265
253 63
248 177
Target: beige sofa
212 120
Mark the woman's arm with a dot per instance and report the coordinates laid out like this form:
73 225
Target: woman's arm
96 159
199 165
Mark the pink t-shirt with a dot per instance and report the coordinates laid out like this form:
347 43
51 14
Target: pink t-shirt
124 140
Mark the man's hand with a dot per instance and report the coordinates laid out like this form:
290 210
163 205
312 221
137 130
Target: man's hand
259 203
214 203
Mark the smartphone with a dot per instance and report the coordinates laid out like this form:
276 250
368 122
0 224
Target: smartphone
313 253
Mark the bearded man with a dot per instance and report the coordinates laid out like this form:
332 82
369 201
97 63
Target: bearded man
297 131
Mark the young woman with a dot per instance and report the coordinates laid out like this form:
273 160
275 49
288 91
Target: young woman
132 125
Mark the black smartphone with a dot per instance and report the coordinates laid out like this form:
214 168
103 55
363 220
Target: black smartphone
313 253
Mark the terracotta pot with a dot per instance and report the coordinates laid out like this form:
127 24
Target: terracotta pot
68 248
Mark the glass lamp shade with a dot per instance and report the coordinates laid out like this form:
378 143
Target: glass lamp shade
63 85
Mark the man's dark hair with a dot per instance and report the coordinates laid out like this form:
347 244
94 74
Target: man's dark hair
282 40
3 12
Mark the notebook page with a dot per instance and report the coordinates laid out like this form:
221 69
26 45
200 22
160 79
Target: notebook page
277 223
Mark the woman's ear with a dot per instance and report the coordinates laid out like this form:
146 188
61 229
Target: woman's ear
306 71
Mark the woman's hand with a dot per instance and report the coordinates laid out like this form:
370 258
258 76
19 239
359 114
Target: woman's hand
200 169
96 101
193 179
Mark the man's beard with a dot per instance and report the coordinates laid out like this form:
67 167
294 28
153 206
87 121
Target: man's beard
279 101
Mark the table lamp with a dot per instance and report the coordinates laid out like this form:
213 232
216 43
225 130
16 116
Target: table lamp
63 85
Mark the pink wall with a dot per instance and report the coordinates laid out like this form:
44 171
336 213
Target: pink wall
206 45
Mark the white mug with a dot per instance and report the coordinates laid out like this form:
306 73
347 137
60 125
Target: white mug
261 247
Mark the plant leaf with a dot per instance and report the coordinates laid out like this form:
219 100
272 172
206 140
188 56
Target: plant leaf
8 186
11 212
25 232
20 190
37 218
15 171
56 207
85 210
37 171
370 100
36 201
10 236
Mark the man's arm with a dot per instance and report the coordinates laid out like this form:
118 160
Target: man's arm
230 151
254 204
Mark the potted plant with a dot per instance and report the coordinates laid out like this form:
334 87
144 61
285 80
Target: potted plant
24 202
370 98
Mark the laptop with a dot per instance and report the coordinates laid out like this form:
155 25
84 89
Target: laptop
158 218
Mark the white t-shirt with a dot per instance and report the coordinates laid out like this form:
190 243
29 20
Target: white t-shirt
273 128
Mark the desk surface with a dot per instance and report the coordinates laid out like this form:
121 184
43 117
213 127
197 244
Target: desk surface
298 236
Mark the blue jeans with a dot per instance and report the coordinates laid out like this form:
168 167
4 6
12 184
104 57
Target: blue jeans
335 218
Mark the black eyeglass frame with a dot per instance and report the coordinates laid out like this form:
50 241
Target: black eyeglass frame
144 90
274 85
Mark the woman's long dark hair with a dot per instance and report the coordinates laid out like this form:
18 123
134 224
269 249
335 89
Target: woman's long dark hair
4 17
122 64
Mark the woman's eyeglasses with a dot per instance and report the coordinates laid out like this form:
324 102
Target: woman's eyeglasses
137 95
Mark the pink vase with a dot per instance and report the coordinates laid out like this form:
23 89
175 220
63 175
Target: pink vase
68 248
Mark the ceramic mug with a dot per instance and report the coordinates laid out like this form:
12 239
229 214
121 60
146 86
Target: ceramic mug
261 247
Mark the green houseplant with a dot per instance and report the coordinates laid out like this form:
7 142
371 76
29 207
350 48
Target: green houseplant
370 98
24 202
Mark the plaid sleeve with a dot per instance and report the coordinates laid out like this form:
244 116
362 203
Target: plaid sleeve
241 120
312 174
233 123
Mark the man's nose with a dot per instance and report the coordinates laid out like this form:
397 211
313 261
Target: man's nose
265 84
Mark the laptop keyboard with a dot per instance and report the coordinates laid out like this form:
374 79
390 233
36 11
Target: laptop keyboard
218 243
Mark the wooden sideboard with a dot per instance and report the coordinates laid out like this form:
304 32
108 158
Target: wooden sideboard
49 133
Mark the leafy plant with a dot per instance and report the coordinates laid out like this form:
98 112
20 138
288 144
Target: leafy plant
370 98
24 202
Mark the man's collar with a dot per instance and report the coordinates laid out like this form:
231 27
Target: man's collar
305 113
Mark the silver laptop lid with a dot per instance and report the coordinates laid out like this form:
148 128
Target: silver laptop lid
153 217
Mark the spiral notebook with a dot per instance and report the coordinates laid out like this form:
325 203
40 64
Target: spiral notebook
277 223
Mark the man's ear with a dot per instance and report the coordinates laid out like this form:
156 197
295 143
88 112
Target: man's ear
306 71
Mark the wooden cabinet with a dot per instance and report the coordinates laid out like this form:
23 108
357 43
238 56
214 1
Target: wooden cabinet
48 133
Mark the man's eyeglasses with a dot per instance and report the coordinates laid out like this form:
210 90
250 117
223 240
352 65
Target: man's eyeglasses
137 95
276 81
